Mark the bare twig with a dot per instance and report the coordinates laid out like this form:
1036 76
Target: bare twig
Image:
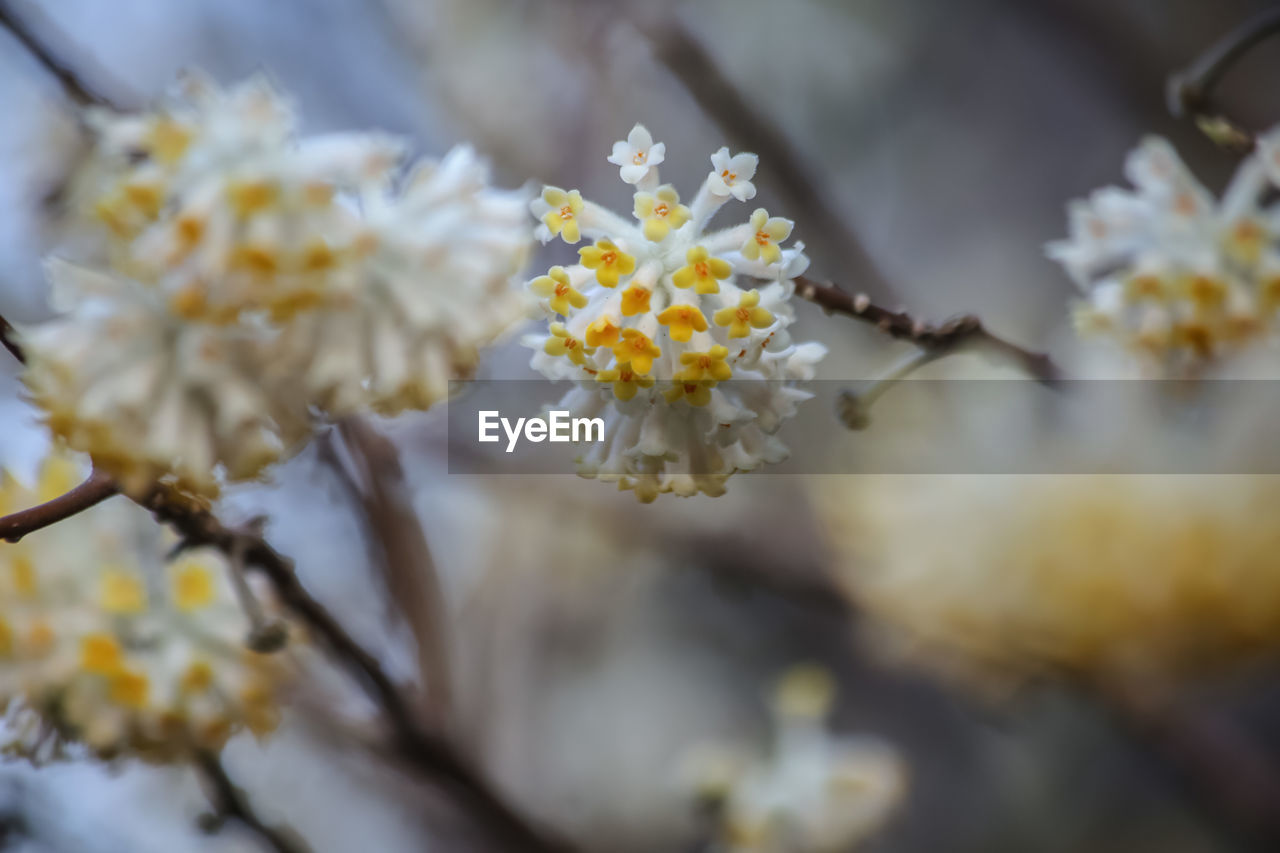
230 803
91 492
71 82
964 332
423 750
1190 92
432 755
411 576
9 339
688 59
1228 776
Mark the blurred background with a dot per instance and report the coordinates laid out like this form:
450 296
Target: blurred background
595 643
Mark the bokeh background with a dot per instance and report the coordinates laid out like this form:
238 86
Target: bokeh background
595 641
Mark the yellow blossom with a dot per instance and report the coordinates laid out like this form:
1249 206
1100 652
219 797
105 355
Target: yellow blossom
635 300
626 384
747 315
707 366
636 349
562 218
704 273
556 286
660 212
130 689
123 592
608 261
99 654
697 392
683 321
603 332
193 586
768 233
563 343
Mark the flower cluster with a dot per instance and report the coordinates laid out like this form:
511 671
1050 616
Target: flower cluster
106 642
658 315
228 280
1172 272
1161 577
815 793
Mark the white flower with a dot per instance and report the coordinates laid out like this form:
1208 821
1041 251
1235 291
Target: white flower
675 337
637 155
815 792
232 280
732 175
1168 270
107 643
435 286
147 393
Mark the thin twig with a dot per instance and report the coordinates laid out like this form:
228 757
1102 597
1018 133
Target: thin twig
71 82
9 339
230 802
1190 92
91 492
412 578
423 750
427 752
964 332
1216 762
688 59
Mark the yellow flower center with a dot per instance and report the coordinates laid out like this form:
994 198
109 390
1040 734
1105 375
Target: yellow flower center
608 258
729 177
640 157
661 210
702 270
744 314
562 289
566 212
570 343
762 238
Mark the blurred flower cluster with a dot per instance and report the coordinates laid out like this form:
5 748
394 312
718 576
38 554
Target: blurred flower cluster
1158 576
1170 271
658 316
106 641
227 281
815 793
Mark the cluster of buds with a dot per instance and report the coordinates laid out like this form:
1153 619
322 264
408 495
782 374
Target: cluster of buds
675 336
1170 271
106 641
814 793
226 281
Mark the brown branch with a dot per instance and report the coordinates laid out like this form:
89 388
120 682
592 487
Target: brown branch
75 87
9 339
1190 92
964 332
1214 761
230 802
423 750
412 580
685 56
91 492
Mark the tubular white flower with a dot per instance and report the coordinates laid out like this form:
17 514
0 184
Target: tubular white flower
816 792
658 316
1168 270
637 155
103 642
732 175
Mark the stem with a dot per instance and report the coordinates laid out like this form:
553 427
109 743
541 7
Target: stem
688 59
1190 92
72 84
229 801
91 492
942 340
9 339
